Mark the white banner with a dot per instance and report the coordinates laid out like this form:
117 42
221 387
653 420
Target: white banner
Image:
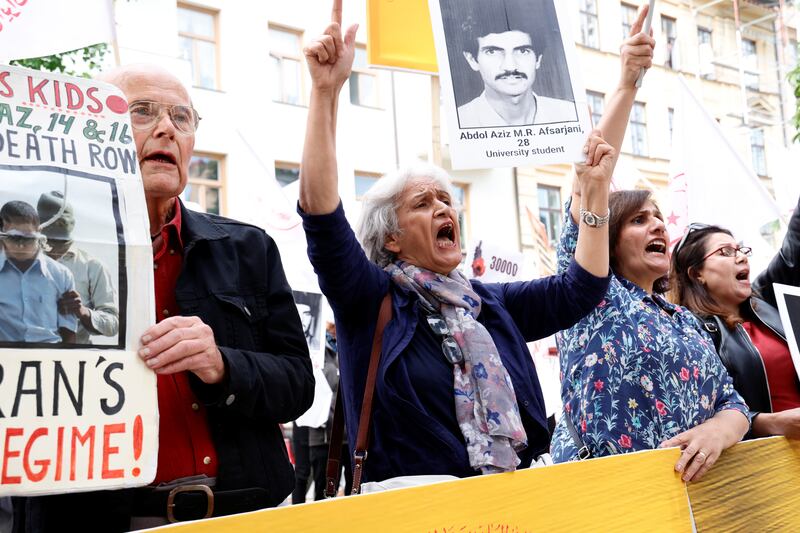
710 183
78 409
35 28
510 82
489 263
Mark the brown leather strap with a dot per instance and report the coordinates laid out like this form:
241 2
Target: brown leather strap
362 440
335 448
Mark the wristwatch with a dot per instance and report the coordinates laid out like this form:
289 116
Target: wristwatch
594 220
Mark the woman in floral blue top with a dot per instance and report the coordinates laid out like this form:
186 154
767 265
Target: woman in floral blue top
638 372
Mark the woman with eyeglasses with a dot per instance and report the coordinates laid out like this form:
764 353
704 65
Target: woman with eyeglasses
456 391
711 276
639 372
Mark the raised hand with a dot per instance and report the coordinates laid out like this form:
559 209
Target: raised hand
636 51
330 56
599 164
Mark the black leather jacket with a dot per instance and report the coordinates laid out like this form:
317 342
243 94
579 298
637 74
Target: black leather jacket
741 358
735 348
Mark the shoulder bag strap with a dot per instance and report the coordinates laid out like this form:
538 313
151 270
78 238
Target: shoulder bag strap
362 440
583 451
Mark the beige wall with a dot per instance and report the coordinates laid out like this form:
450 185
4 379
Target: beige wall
719 89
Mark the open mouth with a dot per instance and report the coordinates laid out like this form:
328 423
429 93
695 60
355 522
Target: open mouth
744 275
160 157
445 237
656 246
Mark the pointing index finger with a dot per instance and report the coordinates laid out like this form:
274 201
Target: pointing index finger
336 13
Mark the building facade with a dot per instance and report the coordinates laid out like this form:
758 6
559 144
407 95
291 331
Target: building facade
249 82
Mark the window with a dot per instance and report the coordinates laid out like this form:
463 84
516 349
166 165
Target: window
758 152
589 35
550 211
637 130
461 197
286 55
596 103
286 173
364 182
703 36
629 13
669 31
705 52
670 119
750 64
363 82
205 185
197 39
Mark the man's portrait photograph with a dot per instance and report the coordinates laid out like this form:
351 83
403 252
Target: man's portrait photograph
507 63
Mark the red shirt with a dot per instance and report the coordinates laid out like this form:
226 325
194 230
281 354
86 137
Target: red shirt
185 447
784 388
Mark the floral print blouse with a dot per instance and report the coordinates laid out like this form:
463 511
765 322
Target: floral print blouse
636 371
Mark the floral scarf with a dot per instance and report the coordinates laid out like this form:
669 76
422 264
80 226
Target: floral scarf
486 406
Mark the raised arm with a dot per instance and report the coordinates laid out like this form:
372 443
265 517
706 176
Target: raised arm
636 53
594 178
330 59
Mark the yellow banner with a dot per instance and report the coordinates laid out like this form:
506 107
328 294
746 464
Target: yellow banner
632 492
754 486
399 35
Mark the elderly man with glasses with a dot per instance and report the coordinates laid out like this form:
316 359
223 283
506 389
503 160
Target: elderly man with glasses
228 349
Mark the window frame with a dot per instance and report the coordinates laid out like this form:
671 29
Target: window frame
286 165
364 71
601 97
586 16
758 151
547 210
627 22
195 37
281 56
366 174
752 79
634 125
220 185
669 58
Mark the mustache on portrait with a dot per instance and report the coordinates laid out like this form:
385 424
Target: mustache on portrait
509 73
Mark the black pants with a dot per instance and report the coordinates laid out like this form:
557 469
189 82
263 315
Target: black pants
319 465
302 463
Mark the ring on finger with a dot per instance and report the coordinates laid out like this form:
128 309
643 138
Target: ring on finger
704 456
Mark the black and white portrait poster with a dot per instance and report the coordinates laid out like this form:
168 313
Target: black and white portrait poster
788 299
510 82
78 406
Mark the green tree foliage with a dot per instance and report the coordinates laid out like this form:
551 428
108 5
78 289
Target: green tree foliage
794 79
82 62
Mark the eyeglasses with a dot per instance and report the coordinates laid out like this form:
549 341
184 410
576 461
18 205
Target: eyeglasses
450 347
145 115
730 251
19 241
691 228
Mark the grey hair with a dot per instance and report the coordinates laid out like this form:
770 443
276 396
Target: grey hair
378 218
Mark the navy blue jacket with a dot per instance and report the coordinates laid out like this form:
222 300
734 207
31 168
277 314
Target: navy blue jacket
406 438
232 279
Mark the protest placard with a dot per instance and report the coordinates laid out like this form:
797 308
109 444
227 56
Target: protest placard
510 82
490 263
788 300
78 407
